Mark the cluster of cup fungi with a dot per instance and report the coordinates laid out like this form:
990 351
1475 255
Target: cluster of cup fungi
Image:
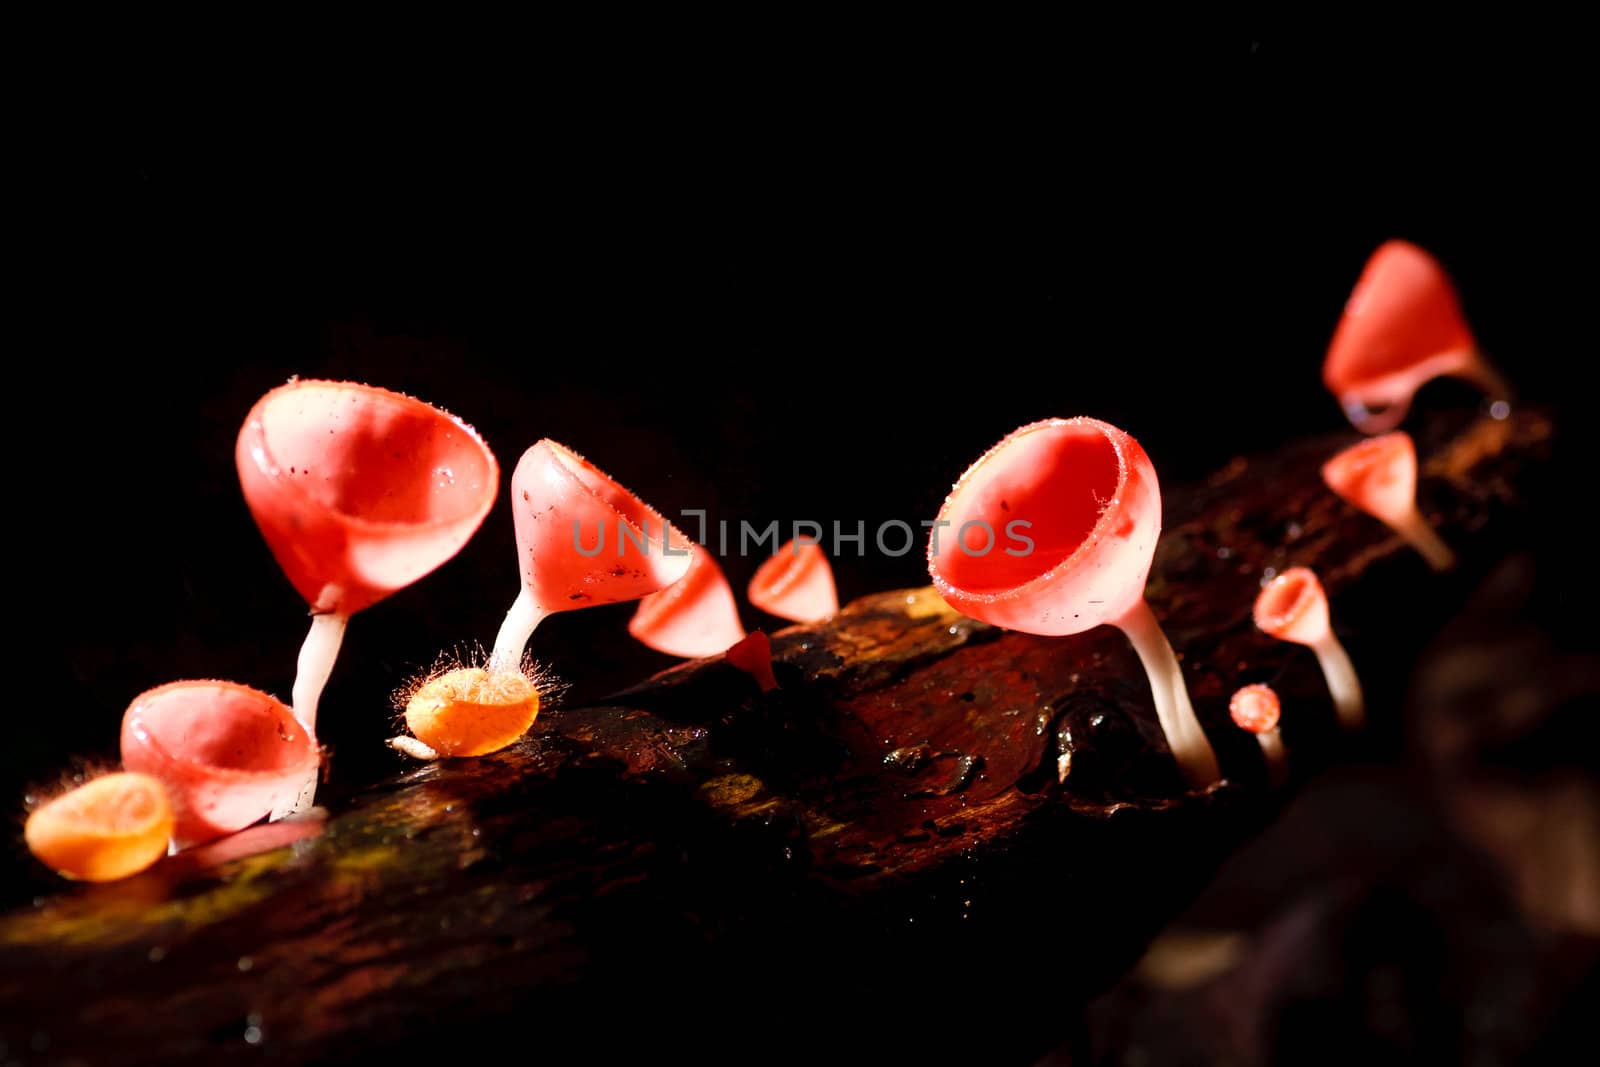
359 492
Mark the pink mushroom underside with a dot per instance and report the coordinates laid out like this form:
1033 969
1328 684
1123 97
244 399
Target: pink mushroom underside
695 616
1293 607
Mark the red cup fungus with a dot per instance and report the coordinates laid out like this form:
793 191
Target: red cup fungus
1294 607
1082 496
228 754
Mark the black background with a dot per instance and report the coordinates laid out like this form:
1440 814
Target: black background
819 298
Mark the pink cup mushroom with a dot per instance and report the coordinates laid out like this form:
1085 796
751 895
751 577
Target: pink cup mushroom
1402 327
753 655
1083 497
1379 476
359 492
694 616
228 754
1255 708
796 584
584 541
1294 607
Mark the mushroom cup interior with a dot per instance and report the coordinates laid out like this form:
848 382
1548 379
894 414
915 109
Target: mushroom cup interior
376 456
1059 477
1287 604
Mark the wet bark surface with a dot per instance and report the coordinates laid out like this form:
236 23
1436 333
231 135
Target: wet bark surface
936 840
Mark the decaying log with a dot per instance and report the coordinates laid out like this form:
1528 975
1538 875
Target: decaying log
855 863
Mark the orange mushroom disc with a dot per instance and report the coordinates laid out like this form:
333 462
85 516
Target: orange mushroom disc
1401 328
796 584
471 711
695 616
1255 708
106 829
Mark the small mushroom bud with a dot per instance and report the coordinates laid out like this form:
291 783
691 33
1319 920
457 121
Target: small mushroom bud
1294 607
694 616
1379 476
1255 708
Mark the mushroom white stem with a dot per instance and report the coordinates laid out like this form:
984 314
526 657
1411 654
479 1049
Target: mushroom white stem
1420 536
317 654
1184 736
1343 685
520 622
413 748
1271 742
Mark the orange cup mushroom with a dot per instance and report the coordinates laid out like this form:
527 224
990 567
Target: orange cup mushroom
1082 497
796 584
693 617
1379 476
108 828
1294 607
1402 327
1255 708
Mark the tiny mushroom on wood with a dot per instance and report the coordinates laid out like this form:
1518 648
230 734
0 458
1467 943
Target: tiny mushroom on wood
753 655
1294 607
567 512
1078 507
1379 476
1255 708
